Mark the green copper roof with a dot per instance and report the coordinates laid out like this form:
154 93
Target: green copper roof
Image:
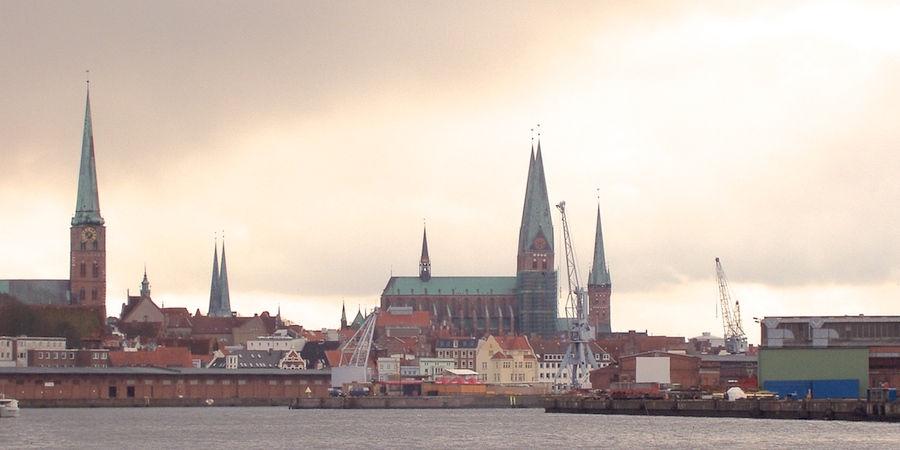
87 205
600 271
451 286
536 212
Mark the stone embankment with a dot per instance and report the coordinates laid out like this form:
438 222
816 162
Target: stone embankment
858 410
426 402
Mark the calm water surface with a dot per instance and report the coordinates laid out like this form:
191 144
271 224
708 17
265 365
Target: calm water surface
261 427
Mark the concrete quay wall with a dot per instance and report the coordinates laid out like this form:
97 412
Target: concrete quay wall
426 402
150 402
858 410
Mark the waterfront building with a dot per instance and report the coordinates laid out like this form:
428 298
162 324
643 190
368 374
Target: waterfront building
259 359
818 353
68 358
158 357
550 355
506 360
434 368
280 340
14 350
460 349
388 368
667 369
155 385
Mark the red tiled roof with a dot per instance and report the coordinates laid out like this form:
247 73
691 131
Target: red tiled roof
417 319
334 357
162 357
212 325
513 342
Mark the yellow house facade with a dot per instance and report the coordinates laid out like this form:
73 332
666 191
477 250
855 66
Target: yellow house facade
506 360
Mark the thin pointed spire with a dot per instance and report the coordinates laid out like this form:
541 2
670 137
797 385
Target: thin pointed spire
214 292
225 300
599 275
536 210
424 261
87 203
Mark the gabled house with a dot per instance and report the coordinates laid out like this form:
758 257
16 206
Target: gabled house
506 360
258 359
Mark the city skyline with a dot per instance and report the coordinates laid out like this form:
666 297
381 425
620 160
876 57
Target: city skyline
320 137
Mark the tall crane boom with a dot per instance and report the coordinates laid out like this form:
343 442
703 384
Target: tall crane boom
579 359
735 338
353 367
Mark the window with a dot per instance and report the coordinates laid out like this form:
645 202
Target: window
82 270
96 271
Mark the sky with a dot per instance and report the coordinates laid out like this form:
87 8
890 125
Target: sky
318 138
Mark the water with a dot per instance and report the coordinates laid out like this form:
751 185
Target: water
263 427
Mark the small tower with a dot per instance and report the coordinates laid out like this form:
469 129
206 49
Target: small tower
344 325
599 286
87 272
424 261
145 285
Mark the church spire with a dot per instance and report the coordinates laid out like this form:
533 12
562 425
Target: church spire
344 315
87 204
600 271
424 261
225 300
536 231
214 293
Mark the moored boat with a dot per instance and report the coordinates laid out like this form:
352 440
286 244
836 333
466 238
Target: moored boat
9 407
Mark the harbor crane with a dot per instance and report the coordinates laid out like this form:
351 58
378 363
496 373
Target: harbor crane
735 338
579 359
353 367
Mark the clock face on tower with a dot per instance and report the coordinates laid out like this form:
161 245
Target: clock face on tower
89 234
540 243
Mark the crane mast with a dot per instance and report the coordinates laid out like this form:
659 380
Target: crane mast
353 367
735 338
579 360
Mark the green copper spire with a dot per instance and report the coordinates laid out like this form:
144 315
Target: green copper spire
600 271
87 205
536 212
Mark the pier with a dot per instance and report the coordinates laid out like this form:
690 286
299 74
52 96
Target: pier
835 409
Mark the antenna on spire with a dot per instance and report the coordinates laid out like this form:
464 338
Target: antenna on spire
539 132
88 76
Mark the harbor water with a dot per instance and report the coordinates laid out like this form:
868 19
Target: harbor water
279 427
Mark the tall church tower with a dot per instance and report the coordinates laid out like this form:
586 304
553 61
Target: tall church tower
536 277
87 272
599 287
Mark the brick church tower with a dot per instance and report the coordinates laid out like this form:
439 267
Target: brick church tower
87 270
536 276
599 287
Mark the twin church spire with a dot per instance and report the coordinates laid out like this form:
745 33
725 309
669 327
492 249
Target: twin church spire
219 297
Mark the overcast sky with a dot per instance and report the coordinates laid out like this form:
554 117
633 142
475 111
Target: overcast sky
320 135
